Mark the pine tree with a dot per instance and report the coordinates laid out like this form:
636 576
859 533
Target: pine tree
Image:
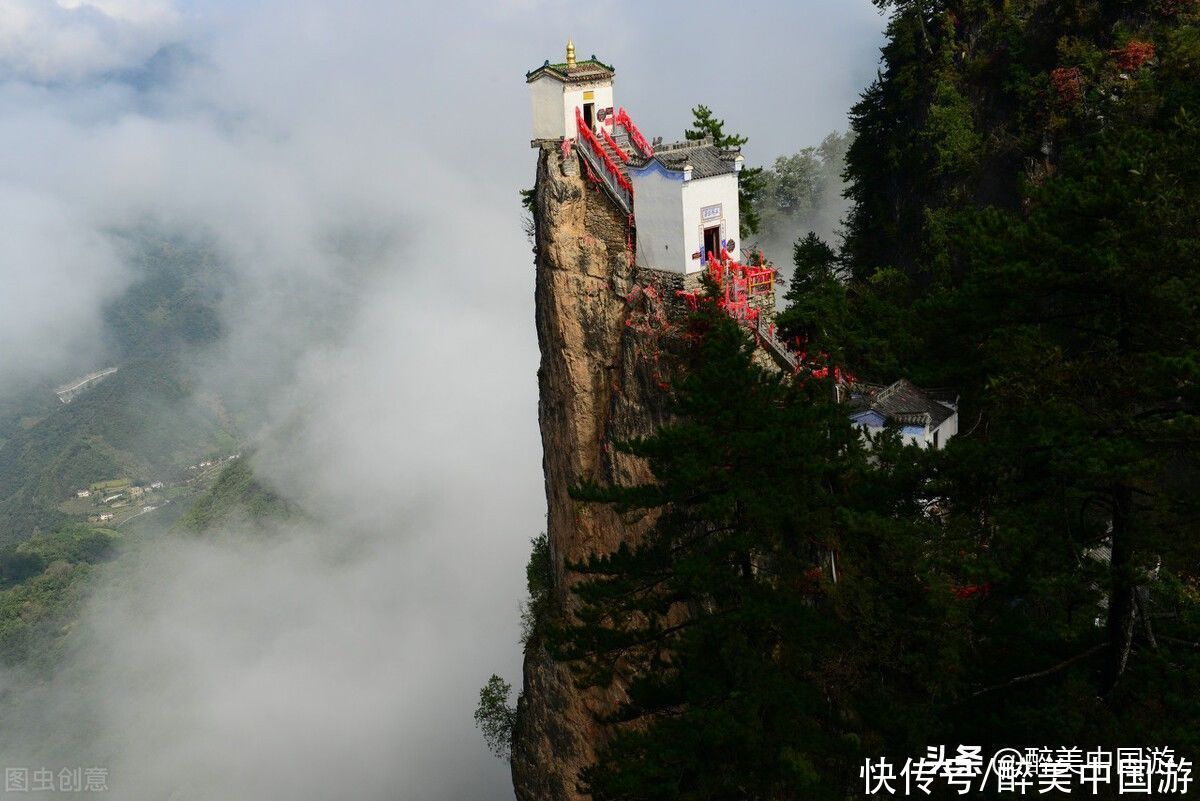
817 306
750 179
1048 272
744 660
1086 342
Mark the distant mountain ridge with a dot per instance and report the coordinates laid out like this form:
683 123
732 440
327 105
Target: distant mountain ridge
143 421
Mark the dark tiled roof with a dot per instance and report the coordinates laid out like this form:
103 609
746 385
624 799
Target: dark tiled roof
904 403
705 158
591 69
943 395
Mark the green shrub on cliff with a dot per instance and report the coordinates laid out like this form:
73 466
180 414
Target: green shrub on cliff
495 717
539 583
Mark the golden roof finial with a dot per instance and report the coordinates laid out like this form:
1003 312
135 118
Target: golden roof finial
570 53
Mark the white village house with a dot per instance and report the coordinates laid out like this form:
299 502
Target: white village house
925 418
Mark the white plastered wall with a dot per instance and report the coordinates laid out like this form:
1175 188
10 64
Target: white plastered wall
658 214
705 193
573 97
948 429
546 99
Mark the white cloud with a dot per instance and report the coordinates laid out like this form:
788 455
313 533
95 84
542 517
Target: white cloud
68 40
57 272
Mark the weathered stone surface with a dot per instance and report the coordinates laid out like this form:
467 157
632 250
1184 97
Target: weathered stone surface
598 383
607 331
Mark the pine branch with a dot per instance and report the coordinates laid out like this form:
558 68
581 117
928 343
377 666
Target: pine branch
1066 663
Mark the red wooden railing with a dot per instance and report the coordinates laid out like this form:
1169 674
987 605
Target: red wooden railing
621 154
635 135
589 138
736 284
615 178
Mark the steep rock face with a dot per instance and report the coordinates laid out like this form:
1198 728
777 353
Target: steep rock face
598 382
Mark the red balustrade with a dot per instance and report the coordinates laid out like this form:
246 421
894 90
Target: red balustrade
621 154
635 135
736 285
587 137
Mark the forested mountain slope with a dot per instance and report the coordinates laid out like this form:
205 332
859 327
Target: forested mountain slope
143 423
236 495
147 424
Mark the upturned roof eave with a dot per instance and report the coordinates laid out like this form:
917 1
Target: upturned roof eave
561 72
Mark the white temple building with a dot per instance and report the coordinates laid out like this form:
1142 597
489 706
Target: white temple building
687 205
682 198
681 202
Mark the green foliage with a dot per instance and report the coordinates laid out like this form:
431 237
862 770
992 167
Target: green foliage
539 582
236 495
801 191
1083 311
744 660
42 582
495 717
16 566
750 186
704 124
72 544
950 130
817 306
1047 271
792 184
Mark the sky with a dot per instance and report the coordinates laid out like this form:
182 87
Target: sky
395 375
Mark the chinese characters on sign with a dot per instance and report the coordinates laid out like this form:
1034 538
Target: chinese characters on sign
67 780
1145 771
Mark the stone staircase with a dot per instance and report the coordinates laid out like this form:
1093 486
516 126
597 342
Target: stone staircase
765 335
605 164
626 150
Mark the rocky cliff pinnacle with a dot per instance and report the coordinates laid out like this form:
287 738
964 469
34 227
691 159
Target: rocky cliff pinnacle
599 382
